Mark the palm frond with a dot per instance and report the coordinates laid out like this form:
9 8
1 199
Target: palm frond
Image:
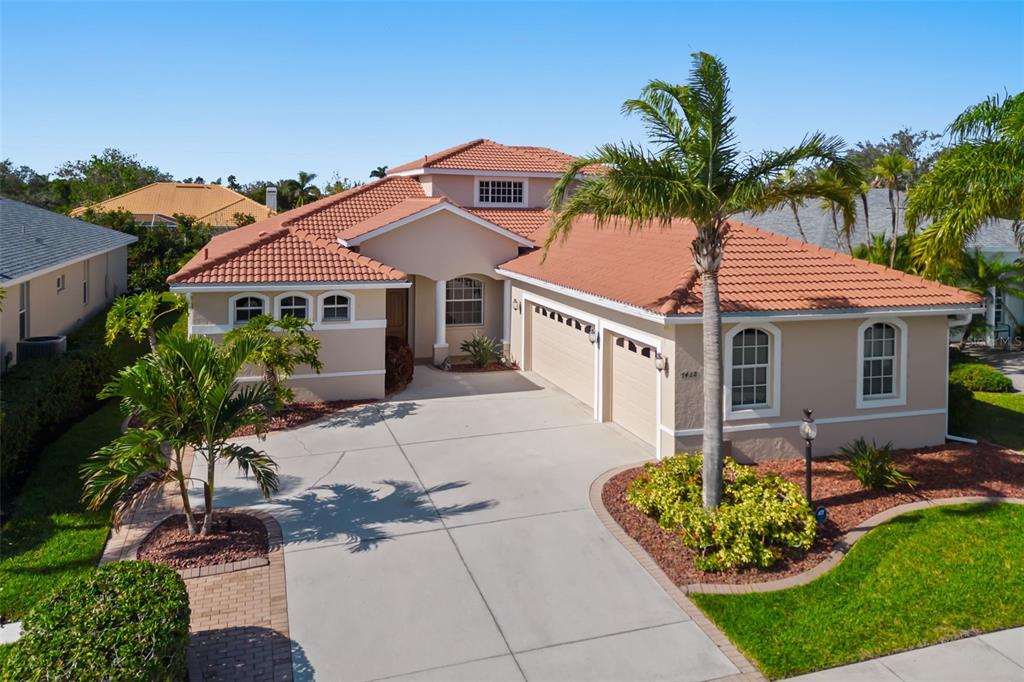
256 462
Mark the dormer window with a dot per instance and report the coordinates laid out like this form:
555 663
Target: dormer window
501 192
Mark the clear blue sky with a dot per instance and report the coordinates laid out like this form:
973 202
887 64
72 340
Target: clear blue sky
264 90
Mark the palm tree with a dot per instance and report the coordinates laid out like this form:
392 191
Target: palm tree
304 189
186 394
986 277
839 186
137 315
892 170
284 345
379 172
694 172
786 177
978 179
863 189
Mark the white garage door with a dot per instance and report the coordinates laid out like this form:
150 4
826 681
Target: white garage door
561 352
633 390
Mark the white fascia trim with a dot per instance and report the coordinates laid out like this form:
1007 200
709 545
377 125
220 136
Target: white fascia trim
62 265
583 296
445 206
775 369
480 172
322 375
900 398
852 313
311 286
730 428
318 327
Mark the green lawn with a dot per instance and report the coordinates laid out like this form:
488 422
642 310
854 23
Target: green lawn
922 578
999 417
50 536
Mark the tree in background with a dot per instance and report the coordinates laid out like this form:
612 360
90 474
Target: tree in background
794 203
25 185
113 172
339 184
283 345
243 219
978 179
185 393
880 252
136 315
893 171
695 172
921 147
984 275
379 172
299 191
839 202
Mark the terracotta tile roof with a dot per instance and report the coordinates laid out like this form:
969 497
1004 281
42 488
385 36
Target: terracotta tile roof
486 155
531 223
212 204
761 272
402 209
330 216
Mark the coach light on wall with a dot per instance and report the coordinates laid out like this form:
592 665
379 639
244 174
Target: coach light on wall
808 431
660 363
592 335
515 304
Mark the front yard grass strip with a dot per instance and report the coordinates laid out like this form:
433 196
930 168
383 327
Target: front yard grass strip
50 536
922 578
999 418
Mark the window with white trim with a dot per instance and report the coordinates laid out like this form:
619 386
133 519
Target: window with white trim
294 306
23 294
60 283
750 369
998 306
464 302
337 308
247 307
501 192
85 282
879 370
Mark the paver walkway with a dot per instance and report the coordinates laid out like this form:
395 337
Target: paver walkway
447 534
997 656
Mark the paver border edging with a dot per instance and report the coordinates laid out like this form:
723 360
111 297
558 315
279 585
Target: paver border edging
842 547
748 672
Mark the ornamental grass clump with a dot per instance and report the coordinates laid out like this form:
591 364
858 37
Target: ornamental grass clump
872 465
758 519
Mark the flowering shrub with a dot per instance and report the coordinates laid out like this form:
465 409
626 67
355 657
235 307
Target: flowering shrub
758 517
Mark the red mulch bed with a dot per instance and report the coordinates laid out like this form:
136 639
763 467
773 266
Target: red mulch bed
297 414
470 367
234 537
943 471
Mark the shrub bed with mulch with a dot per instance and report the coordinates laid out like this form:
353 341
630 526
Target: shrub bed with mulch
942 471
492 367
234 537
297 414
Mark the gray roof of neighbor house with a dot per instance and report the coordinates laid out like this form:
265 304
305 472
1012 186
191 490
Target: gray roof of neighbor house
817 224
33 239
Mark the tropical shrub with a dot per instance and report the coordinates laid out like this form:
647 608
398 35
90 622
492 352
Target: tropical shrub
758 517
482 350
960 407
127 620
398 363
40 396
978 377
872 465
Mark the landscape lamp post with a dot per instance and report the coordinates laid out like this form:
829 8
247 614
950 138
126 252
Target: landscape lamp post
808 431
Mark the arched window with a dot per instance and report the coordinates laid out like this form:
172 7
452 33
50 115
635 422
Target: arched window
247 307
465 301
337 308
879 369
295 306
750 369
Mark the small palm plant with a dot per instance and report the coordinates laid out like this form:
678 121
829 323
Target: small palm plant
137 315
186 394
284 345
482 350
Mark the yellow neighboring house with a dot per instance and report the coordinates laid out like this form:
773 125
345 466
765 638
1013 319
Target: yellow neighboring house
157 203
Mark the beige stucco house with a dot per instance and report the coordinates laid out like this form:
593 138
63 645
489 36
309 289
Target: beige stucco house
447 246
56 272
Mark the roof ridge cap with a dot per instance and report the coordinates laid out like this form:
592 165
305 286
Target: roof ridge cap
452 151
124 194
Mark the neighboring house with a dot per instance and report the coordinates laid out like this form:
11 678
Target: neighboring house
447 246
156 204
56 272
994 239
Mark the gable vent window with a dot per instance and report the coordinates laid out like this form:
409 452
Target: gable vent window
501 192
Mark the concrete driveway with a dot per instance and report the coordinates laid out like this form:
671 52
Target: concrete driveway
447 534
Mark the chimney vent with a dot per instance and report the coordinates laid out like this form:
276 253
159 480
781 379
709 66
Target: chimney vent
272 198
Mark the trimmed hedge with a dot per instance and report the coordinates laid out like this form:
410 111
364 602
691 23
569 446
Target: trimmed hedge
961 408
978 377
40 396
124 621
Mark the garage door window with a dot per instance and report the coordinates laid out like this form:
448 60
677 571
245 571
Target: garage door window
465 301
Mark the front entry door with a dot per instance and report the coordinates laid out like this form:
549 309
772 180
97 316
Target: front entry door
397 313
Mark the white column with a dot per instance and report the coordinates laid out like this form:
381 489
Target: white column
506 307
440 302
990 318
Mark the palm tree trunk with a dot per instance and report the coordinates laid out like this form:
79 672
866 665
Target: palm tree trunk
712 444
867 220
190 517
796 217
208 490
151 333
892 208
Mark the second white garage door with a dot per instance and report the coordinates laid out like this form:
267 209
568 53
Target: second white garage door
632 389
561 352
